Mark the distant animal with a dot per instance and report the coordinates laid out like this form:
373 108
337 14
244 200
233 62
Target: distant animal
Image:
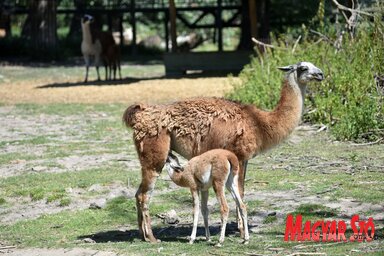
194 126
101 46
217 168
112 58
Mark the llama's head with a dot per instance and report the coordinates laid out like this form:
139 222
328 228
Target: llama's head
172 162
87 19
304 72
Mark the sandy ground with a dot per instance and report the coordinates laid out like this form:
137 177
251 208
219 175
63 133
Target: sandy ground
125 91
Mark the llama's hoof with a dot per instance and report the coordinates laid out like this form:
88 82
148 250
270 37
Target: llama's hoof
218 245
245 242
191 241
152 240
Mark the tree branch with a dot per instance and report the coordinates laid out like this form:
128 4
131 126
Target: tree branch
344 8
267 45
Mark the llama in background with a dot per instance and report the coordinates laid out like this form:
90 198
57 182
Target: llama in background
101 46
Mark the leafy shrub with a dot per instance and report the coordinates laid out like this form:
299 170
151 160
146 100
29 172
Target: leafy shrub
347 100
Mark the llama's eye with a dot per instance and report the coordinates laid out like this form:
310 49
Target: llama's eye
303 68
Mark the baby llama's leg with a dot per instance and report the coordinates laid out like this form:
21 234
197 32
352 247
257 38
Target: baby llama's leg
196 203
233 187
204 212
219 190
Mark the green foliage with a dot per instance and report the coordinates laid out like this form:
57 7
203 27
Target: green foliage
347 100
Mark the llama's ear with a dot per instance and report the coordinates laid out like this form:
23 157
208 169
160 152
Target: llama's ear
287 68
173 161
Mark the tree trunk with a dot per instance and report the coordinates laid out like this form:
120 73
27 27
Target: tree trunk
262 23
172 19
75 27
245 37
40 26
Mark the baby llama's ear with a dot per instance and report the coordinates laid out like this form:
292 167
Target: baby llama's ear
287 68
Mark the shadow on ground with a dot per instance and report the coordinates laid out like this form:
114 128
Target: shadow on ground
171 233
130 80
124 81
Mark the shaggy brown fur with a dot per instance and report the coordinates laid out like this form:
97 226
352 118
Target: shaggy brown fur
192 127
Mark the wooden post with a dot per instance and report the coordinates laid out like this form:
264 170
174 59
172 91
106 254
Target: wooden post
172 18
219 23
253 18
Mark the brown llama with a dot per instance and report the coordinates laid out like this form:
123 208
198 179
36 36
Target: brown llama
112 59
192 127
217 168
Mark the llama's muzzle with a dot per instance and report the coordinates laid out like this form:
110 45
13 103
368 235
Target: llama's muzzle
319 76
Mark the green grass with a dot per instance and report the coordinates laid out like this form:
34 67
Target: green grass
316 165
66 228
269 219
62 109
315 211
52 185
10 157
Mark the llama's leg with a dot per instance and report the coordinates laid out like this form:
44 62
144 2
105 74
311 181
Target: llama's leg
219 190
87 61
233 187
152 154
143 195
241 179
106 69
97 63
119 67
196 210
204 212
114 70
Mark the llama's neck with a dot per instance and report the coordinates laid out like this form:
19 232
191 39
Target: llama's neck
87 36
280 123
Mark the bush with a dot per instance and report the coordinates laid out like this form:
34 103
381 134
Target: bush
347 100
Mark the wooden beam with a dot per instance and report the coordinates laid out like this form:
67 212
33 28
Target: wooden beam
172 19
253 18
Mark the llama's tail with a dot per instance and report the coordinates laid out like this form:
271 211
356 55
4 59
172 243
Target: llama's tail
234 162
129 114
